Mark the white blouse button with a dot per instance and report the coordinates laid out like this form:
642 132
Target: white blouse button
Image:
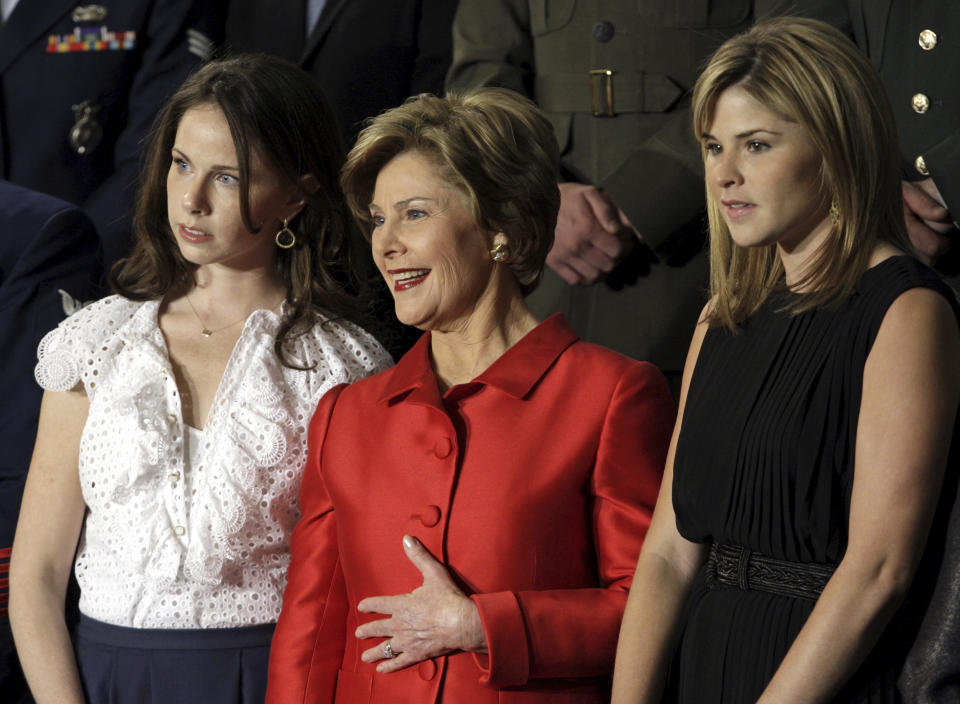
179 530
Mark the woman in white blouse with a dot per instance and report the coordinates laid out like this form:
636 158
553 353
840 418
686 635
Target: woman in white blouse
184 402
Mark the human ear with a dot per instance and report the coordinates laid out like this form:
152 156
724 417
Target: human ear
307 185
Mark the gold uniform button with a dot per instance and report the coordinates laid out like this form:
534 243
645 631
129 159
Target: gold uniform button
920 165
928 39
921 103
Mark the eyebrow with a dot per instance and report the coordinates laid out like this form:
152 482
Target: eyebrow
744 135
405 201
215 167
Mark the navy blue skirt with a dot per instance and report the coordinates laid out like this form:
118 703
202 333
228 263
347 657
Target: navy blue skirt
120 665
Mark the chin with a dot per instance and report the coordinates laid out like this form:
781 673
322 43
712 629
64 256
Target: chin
749 240
414 321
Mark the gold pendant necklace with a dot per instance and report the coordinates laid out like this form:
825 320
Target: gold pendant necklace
204 330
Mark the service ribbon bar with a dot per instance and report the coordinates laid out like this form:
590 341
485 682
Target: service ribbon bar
91 39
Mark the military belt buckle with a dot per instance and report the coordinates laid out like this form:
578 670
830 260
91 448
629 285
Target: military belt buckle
601 92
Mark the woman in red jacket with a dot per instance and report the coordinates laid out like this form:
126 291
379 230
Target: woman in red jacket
471 516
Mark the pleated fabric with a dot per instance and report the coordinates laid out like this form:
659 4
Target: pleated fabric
120 665
765 460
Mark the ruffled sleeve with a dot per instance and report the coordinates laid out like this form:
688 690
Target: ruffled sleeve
340 352
75 352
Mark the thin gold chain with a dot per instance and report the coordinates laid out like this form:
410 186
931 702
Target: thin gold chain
207 332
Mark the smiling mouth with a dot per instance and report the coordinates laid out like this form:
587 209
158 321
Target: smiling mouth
404 279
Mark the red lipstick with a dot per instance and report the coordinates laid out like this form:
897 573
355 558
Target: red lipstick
404 279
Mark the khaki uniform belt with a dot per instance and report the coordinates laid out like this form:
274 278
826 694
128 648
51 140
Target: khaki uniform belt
627 92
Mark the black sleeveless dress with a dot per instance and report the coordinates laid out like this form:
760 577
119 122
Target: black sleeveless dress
765 461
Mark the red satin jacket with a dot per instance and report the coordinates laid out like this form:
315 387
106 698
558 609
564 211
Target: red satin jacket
534 484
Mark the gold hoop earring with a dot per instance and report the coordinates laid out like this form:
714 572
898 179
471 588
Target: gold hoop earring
835 213
500 253
286 238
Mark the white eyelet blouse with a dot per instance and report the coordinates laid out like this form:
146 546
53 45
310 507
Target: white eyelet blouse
191 528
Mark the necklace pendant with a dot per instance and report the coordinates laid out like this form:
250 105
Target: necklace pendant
206 333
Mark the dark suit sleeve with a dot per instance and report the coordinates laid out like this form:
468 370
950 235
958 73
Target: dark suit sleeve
434 46
943 161
165 62
573 632
61 252
307 646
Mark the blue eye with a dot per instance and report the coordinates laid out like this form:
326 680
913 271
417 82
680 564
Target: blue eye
227 179
415 214
377 220
181 164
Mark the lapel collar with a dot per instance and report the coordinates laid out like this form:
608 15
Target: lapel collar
28 21
515 373
520 368
413 374
319 33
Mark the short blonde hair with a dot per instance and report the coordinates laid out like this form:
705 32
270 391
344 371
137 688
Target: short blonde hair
807 72
495 146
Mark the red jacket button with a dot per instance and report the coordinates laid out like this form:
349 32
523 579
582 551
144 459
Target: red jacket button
429 516
443 448
427 670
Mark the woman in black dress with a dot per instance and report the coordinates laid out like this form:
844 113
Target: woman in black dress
786 561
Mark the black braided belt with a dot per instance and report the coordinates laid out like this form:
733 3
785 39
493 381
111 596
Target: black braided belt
736 566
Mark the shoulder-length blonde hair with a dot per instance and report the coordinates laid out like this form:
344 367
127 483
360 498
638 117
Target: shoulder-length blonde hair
807 72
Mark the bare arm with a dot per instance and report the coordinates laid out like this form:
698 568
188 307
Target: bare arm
50 520
667 566
911 387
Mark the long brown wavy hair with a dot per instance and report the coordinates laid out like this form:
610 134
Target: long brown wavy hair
274 108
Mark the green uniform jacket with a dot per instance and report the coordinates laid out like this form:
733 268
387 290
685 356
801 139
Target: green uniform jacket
645 156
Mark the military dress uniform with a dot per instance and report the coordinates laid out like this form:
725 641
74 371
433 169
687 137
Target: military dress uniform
49 260
615 80
80 85
915 46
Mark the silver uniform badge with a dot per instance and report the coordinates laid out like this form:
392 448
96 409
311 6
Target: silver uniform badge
86 132
89 13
